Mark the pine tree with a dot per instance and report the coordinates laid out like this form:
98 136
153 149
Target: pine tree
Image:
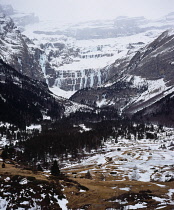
55 171
3 165
4 153
39 168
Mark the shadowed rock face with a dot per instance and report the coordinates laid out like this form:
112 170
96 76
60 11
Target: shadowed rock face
160 112
118 95
156 60
24 100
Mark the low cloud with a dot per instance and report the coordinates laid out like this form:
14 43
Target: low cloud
82 10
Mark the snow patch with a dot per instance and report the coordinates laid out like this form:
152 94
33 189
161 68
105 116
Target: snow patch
23 181
62 93
32 127
136 206
84 128
125 189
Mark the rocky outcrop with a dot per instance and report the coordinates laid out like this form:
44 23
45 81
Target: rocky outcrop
80 79
18 50
65 66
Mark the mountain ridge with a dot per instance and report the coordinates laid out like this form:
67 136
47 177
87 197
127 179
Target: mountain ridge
150 84
18 50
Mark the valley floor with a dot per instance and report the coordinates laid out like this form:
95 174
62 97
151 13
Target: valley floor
130 174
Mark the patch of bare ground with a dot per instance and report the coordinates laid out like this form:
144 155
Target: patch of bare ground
115 194
109 190
12 170
103 190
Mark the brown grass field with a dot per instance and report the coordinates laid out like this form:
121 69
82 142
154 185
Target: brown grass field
100 193
103 190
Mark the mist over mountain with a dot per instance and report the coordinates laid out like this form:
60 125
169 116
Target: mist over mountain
86 104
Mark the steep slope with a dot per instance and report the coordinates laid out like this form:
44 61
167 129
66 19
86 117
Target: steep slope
159 112
79 56
154 65
156 60
24 101
148 83
18 50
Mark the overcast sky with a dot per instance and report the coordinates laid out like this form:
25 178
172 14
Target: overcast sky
82 10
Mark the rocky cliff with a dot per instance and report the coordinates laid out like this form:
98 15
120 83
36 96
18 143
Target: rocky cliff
18 50
145 86
72 63
88 54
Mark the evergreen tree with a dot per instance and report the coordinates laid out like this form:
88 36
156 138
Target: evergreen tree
3 165
39 168
55 171
4 153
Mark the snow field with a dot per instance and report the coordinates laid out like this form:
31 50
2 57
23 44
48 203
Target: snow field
146 161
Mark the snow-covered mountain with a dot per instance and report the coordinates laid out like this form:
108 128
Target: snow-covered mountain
18 50
125 66
145 82
78 56
20 19
76 64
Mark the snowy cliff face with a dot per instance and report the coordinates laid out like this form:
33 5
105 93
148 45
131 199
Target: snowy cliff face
72 64
89 54
145 85
73 57
18 50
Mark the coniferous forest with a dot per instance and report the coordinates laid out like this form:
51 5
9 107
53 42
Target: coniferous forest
86 108
66 139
